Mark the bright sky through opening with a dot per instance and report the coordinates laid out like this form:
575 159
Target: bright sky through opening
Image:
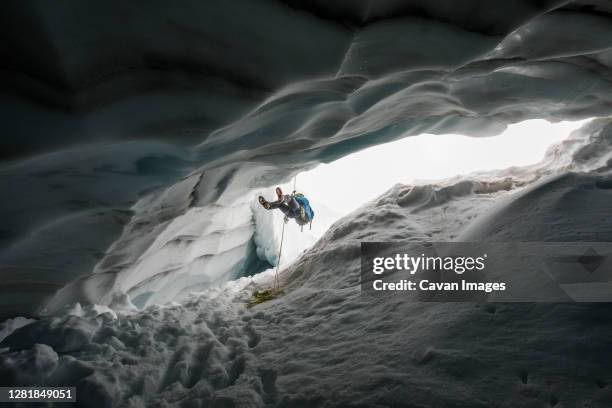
358 178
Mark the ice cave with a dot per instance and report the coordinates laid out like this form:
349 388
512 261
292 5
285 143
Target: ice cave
138 135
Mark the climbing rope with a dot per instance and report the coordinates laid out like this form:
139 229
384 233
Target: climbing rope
280 249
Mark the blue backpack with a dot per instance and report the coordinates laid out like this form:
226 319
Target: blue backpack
306 213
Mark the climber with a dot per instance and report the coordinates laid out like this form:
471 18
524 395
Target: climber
294 206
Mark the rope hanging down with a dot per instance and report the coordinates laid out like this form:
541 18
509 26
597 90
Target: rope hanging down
280 249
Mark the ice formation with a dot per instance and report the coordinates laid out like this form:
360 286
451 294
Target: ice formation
135 139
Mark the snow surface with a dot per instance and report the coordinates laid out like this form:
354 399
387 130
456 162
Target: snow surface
322 344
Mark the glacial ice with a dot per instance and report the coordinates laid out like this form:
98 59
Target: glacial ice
136 139
203 247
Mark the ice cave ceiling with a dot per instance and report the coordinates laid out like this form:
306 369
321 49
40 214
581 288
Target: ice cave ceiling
119 116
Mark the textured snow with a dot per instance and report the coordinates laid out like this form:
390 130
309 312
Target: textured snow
322 344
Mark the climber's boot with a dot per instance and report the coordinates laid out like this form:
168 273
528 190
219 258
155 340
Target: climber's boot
264 203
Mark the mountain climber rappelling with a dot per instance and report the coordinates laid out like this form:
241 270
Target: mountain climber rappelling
294 206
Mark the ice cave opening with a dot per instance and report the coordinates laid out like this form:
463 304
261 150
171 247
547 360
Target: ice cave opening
340 187
174 246
353 180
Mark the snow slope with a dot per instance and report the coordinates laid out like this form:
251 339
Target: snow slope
322 344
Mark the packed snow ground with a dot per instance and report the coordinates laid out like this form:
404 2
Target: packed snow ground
322 344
